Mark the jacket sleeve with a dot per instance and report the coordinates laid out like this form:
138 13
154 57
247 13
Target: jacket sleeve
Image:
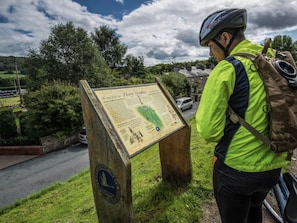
211 114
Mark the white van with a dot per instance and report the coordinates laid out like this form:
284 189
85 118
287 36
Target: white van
184 103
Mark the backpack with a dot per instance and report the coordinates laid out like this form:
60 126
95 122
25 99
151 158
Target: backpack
279 76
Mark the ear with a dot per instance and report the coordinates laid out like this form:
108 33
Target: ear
226 37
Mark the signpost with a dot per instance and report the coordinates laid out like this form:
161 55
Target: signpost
122 122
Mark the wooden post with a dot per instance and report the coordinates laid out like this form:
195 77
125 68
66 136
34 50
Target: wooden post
175 152
110 166
176 158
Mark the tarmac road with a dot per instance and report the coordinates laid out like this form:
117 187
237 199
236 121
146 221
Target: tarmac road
22 179
191 112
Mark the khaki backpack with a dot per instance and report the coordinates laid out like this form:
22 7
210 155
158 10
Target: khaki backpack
280 80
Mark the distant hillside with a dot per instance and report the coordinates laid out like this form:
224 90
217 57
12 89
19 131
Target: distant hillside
7 64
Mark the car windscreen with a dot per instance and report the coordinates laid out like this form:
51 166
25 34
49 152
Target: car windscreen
178 102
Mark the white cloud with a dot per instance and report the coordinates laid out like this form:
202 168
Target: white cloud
160 31
26 22
120 1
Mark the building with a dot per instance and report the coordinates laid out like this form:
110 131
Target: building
197 78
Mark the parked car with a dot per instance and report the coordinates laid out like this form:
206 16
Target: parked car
184 103
82 136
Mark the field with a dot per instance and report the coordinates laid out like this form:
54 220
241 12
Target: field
153 200
9 101
8 76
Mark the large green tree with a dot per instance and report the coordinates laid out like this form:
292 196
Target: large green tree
285 43
108 43
69 55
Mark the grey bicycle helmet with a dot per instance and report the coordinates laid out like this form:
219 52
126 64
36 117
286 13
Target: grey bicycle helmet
219 20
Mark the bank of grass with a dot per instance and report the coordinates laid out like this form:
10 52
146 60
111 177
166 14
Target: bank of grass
153 200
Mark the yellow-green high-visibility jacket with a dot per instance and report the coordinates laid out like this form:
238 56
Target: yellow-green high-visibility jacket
240 87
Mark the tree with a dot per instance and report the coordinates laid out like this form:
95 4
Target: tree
67 55
160 69
109 45
133 67
55 108
176 84
285 43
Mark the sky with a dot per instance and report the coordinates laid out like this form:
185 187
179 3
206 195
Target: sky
160 31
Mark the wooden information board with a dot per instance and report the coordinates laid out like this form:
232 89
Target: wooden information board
141 115
121 122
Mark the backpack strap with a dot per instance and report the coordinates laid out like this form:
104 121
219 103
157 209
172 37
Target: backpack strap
267 44
249 56
235 118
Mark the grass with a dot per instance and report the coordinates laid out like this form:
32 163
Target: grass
10 76
153 200
9 101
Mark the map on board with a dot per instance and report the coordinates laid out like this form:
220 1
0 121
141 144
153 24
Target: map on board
141 115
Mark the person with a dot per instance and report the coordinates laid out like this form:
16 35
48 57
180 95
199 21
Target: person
244 168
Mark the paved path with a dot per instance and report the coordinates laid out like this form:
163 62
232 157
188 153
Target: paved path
10 160
27 177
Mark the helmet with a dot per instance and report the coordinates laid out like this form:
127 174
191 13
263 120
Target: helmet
219 20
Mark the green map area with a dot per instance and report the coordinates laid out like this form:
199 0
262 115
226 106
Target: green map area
150 115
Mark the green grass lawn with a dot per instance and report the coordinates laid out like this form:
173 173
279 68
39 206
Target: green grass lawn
153 200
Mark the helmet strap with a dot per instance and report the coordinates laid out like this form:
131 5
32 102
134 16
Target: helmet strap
226 49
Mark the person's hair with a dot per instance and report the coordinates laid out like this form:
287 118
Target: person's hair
232 31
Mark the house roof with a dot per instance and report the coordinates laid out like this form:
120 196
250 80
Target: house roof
194 72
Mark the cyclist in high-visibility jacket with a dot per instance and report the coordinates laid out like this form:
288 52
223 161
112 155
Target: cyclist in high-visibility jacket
244 168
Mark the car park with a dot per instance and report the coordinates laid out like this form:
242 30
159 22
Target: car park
184 103
82 136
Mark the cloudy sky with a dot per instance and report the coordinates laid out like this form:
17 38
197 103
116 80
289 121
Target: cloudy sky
162 31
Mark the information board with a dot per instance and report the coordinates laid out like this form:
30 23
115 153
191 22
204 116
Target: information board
141 115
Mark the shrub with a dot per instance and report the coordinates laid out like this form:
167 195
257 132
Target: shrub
54 109
8 128
19 140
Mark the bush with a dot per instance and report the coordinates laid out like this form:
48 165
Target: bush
6 82
19 140
54 109
8 128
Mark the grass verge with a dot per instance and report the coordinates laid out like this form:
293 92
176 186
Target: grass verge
153 200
